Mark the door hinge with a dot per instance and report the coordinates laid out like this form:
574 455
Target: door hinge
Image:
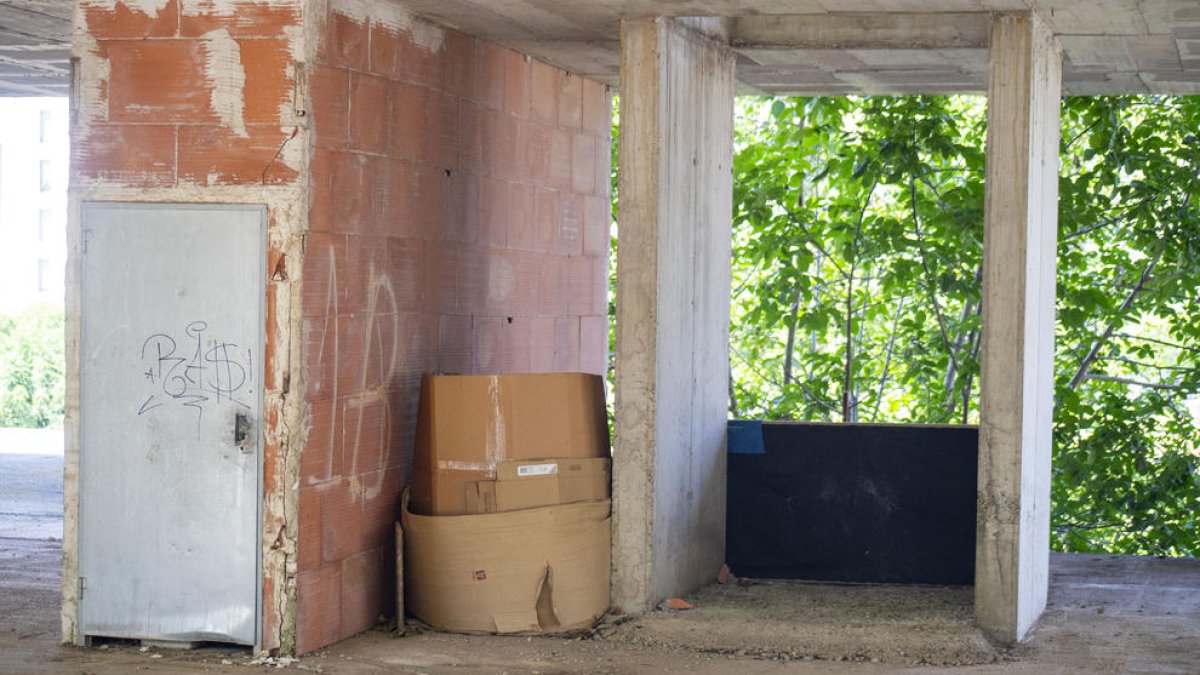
85 239
82 586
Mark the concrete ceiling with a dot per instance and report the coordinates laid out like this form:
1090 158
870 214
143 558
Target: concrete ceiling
35 37
861 46
784 46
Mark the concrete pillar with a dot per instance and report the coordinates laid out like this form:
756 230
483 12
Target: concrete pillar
673 278
1017 381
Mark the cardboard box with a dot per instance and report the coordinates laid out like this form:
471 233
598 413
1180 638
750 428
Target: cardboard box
468 424
527 484
584 479
543 570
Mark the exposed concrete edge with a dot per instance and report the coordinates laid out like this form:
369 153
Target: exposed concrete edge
1016 396
875 30
635 406
646 176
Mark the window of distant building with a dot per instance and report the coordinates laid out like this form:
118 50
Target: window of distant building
44 126
43 225
43 273
44 167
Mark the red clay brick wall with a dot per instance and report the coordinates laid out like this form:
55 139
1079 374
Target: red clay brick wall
156 121
458 223
194 102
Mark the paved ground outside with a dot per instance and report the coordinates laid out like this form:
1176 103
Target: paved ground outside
31 496
31 506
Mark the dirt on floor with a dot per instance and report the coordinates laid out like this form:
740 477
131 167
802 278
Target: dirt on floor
899 625
1107 614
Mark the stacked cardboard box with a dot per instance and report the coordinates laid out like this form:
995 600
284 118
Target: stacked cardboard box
528 484
508 526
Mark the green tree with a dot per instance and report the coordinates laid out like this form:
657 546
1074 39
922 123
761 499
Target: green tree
31 368
857 248
1126 470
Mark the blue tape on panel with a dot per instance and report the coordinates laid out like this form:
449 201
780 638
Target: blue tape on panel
745 437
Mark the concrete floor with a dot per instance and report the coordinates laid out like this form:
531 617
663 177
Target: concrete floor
1107 614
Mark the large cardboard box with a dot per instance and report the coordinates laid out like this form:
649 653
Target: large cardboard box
469 424
527 484
542 570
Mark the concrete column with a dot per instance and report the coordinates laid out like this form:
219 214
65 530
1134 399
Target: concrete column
673 278
1017 380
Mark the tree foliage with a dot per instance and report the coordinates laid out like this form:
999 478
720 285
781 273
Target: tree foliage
31 368
858 229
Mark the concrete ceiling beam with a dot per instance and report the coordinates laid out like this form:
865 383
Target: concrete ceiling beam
863 31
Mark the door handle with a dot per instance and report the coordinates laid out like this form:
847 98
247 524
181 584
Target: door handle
243 432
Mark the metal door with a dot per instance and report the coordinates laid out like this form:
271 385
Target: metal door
171 399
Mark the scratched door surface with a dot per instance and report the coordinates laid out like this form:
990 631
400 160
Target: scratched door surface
171 372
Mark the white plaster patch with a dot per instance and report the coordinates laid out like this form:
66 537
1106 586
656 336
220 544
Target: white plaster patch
501 279
223 66
148 7
292 153
91 77
296 42
393 16
212 7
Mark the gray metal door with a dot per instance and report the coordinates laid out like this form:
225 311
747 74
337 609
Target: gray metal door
171 399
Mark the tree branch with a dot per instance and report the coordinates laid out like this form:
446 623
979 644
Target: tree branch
974 341
952 367
1099 342
1126 380
1143 364
790 348
1079 136
1156 341
887 361
937 306
1112 220
810 239
733 402
849 409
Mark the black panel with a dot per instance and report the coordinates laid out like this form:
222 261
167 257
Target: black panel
859 503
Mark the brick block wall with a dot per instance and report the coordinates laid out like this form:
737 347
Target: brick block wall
192 96
458 223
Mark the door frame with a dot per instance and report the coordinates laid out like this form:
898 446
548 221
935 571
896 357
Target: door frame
81 639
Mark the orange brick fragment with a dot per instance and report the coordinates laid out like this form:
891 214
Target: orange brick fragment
679 603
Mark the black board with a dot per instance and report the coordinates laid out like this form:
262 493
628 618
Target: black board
855 503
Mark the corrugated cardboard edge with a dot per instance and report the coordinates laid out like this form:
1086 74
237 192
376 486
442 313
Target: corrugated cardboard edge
485 573
400 568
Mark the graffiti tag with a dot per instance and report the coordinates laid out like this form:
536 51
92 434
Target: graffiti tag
195 371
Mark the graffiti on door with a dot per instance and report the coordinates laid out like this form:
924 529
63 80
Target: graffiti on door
194 371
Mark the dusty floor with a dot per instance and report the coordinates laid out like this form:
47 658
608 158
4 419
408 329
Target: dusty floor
900 625
1107 615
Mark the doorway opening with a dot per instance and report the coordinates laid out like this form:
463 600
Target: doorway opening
34 159
34 156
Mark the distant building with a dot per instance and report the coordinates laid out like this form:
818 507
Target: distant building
34 158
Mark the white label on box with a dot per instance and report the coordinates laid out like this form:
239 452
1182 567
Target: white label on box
537 469
456 465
